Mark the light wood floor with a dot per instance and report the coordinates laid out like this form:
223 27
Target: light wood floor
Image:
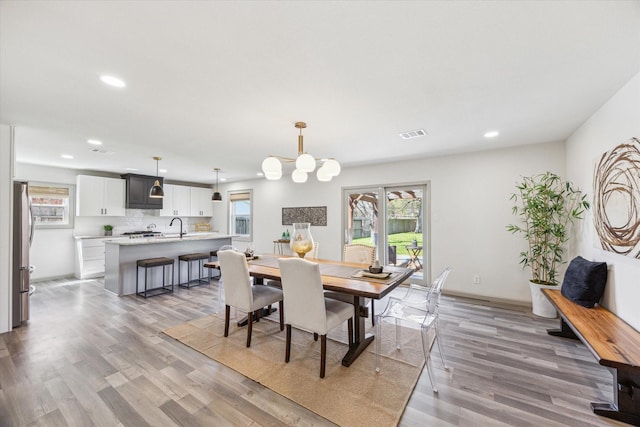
90 358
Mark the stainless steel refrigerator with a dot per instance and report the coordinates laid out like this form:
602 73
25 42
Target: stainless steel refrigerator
22 236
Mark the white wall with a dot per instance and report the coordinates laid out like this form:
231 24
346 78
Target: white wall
470 209
614 123
6 192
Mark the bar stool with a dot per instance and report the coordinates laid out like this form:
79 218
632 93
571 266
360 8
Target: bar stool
150 263
213 256
189 258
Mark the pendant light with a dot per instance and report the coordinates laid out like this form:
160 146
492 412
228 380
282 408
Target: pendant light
156 191
217 197
305 163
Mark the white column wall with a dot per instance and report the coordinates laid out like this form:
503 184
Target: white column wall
6 190
614 123
470 209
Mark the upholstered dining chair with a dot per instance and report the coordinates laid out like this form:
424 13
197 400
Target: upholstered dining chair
241 294
306 307
359 254
419 306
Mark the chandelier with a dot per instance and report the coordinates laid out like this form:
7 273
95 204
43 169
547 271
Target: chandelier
305 163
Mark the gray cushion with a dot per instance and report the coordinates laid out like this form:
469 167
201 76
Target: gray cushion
584 281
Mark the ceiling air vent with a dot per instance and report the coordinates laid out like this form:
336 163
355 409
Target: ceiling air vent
413 134
100 151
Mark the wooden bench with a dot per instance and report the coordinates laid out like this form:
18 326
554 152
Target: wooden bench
614 344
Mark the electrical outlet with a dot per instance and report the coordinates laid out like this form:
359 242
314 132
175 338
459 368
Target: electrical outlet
476 279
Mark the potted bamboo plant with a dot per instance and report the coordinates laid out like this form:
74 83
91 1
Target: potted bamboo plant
108 230
546 206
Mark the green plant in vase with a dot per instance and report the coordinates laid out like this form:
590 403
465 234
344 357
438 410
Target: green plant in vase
108 230
547 206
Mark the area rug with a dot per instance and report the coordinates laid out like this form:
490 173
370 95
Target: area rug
353 396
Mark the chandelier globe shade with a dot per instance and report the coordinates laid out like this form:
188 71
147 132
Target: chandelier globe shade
332 167
273 176
299 176
271 165
323 174
305 163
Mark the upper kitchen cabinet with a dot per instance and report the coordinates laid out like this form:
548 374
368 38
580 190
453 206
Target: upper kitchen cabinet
201 204
99 196
138 187
176 200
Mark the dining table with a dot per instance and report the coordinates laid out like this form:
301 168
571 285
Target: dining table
337 276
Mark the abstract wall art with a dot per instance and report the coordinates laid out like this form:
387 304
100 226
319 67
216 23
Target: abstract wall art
315 215
616 205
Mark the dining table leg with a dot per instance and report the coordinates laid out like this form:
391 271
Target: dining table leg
360 339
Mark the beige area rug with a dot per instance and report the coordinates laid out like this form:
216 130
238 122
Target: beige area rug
353 396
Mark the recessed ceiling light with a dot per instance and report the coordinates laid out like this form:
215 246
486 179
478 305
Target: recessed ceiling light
223 179
67 156
94 142
163 170
131 169
491 134
112 81
260 174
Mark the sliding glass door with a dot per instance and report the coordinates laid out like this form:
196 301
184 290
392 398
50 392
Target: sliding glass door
393 219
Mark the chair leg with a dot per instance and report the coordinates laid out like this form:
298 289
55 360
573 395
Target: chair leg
281 307
287 353
323 354
227 314
444 362
249 327
378 340
398 334
427 346
373 314
432 377
315 336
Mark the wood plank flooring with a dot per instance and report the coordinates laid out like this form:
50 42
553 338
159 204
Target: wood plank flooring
89 358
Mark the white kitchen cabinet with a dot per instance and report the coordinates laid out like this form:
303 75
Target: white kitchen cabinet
201 204
100 196
177 199
89 258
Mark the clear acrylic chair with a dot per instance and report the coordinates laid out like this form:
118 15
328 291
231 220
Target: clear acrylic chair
419 307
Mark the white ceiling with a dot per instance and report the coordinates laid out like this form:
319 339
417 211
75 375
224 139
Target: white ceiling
221 84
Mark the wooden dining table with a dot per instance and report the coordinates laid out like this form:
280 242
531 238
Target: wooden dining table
341 277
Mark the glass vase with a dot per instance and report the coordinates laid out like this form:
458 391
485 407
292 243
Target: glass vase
301 240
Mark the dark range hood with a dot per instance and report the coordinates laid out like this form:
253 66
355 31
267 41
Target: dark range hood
138 187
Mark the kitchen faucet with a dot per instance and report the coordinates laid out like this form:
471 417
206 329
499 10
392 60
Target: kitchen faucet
171 224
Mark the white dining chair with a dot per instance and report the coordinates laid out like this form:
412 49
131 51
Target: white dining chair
241 294
364 255
306 307
419 306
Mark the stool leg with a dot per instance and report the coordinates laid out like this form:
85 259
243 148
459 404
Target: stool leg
137 274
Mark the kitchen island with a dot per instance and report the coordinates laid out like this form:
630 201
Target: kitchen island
121 256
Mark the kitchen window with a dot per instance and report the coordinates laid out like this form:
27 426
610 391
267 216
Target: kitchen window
52 205
240 214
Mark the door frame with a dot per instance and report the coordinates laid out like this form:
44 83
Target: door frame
381 190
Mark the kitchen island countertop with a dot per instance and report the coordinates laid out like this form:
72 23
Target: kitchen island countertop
168 238
121 256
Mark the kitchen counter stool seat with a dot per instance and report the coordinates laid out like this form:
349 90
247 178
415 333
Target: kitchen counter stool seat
148 263
200 258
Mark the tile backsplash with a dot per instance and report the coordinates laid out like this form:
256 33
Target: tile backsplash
135 220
